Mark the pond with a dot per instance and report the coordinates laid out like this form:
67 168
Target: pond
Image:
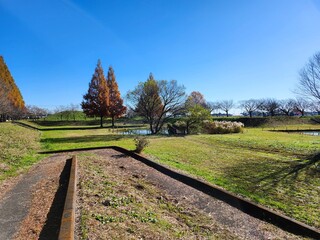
312 133
140 132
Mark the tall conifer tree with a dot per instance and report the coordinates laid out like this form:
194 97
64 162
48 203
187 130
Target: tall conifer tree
116 108
11 101
96 101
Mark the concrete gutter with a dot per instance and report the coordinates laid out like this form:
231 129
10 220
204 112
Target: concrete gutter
67 226
244 205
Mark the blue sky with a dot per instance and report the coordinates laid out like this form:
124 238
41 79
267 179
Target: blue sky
228 49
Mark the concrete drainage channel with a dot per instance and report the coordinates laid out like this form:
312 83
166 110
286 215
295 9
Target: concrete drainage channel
288 224
67 226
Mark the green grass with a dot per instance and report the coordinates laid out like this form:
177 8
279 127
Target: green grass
66 115
276 169
18 149
71 139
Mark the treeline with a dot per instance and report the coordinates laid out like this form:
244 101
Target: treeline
267 107
12 105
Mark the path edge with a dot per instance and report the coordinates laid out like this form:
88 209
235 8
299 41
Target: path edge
284 222
67 227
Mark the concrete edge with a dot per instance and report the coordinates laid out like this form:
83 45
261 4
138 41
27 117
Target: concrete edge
67 227
244 205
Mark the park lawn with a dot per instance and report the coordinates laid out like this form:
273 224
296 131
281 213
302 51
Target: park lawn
275 169
87 138
298 127
18 149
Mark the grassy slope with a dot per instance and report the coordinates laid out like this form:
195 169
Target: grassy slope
18 147
268 167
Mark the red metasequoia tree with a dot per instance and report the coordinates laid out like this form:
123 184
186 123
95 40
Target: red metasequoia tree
116 108
96 100
11 101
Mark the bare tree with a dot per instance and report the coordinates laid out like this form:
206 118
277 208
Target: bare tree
287 106
73 108
315 106
301 105
212 106
309 81
226 106
250 106
59 110
157 101
35 112
270 105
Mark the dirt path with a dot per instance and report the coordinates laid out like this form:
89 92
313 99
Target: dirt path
31 206
240 225
31 198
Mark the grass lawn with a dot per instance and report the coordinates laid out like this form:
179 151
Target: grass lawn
18 149
278 170
275 169
71 139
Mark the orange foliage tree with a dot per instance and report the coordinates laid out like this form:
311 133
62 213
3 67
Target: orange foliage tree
116 108
96 100
11 101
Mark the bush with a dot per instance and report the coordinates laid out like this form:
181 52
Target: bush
223 127
141 143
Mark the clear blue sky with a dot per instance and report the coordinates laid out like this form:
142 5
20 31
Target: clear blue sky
228 49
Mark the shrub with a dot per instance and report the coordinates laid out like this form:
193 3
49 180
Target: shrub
223 127
141 143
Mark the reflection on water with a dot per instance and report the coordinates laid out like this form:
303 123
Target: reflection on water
141 132
313 133
136 132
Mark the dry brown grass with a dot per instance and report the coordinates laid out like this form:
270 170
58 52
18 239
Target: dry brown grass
118 205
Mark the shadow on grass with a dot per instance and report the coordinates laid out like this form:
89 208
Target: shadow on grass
264 176
52 225
87 138
115 129
310 165
83 123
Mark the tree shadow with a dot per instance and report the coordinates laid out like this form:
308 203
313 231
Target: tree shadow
310 164
54 216
264 176
87 138
118 156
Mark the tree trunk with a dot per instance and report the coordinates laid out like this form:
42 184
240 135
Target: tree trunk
250 114
101 123
188 127
151 128
112 121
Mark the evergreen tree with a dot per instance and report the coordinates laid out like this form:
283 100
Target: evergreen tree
11 101
116 108
96 101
